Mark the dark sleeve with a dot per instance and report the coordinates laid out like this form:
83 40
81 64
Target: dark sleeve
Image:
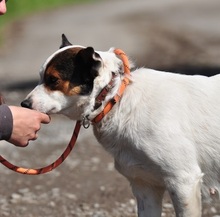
6 122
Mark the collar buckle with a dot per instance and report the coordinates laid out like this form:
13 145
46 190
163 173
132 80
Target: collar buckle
86 122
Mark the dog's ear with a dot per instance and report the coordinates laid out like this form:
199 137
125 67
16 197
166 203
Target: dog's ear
89 60
65 41
89 57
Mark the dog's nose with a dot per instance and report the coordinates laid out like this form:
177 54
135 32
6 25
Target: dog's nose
27 103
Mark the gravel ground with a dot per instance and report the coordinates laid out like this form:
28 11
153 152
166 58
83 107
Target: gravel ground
182 36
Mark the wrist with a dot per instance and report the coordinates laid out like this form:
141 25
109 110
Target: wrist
6 122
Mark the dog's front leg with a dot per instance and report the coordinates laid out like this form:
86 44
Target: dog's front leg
185 193
149 200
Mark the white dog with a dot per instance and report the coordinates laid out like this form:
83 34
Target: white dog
164 133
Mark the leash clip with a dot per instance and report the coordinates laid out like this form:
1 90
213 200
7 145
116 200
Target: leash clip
86 122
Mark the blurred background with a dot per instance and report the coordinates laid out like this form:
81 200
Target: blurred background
182 36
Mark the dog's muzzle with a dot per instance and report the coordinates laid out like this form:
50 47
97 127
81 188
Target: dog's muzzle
27 103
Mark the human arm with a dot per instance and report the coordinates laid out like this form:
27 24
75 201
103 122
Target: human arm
22 125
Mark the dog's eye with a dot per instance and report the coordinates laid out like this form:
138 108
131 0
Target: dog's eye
53 80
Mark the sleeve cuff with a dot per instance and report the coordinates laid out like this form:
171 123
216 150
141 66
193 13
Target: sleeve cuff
6 122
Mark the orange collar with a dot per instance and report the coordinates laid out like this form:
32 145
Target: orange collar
121 89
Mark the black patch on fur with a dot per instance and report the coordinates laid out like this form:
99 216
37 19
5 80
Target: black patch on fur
87 64
65 41
78 65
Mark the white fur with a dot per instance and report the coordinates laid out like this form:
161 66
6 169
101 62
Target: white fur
164 134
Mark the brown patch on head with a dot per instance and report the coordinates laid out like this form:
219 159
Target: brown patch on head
72 71
75 90
70 89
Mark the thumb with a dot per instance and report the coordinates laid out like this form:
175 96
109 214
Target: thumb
45 119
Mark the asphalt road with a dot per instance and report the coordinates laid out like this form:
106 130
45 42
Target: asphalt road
170 35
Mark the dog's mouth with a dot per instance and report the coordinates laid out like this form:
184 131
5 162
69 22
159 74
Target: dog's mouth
27 103
53 110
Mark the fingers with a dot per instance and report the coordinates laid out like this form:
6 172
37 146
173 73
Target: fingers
45 119
33 137
19 143
24 141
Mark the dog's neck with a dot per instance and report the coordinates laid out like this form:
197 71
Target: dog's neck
110 74
110 62
85 106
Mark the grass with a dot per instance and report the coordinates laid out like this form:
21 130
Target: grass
17 9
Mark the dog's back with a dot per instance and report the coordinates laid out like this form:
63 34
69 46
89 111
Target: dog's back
177 111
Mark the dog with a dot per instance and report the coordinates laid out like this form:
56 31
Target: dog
164 133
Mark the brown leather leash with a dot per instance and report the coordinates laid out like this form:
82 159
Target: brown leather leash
108 107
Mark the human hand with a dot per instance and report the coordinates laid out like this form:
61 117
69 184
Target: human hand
26 124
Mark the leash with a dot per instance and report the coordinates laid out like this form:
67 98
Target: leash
108 107
30 171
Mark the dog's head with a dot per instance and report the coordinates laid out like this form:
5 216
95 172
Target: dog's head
67 79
